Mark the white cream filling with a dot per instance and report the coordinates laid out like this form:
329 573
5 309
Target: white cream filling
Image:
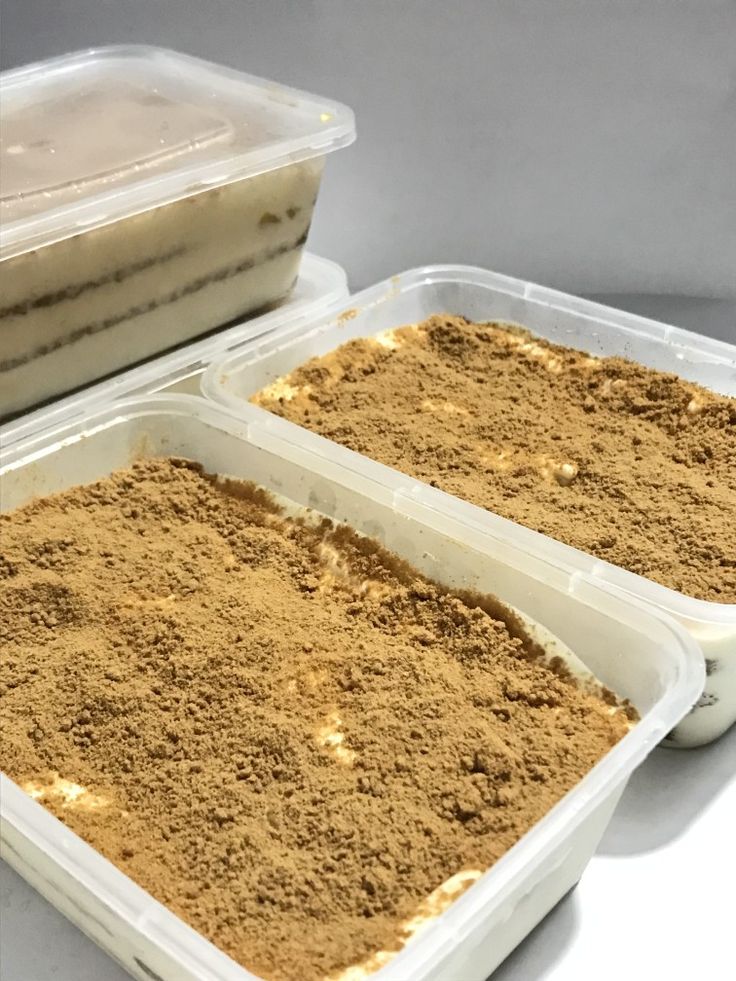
201 285
65 792
111 350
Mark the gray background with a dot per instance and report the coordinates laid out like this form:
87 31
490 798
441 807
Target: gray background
586 145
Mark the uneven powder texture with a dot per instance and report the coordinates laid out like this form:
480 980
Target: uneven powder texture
281 731
632 465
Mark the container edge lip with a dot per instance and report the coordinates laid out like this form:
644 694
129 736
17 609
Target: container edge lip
213 390
19 237
476 275
528 289
344 115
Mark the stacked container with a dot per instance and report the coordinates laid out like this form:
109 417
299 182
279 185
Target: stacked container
147 197
480 295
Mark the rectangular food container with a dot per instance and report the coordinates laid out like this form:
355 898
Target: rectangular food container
482 295
145 197
320 285
636 650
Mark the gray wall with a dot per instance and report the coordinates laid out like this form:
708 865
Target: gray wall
584 144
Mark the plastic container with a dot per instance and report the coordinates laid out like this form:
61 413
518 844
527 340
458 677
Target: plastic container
637 651
481 295
321 284
189 207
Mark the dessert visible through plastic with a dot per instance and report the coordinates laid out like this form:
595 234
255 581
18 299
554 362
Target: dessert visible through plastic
145 197
636 651
480 295
319 286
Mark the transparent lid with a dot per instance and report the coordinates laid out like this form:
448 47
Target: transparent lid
96 136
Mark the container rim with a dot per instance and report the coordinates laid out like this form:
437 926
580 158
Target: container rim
106 207
214 388
410 279
328 281
113 888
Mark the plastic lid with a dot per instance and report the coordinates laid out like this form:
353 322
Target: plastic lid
96 136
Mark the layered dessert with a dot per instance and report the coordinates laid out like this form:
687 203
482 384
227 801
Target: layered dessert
119 240
282 731
632 465
104 299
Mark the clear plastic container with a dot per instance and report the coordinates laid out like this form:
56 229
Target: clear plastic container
482 295
321 284
634 649
145 197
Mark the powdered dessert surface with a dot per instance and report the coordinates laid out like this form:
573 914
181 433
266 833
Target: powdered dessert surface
633 465
280 730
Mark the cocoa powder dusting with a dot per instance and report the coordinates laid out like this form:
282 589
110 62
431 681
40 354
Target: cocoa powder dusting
283 732
635 466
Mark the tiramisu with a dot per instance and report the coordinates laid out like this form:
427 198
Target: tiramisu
633 465
286 734
145 198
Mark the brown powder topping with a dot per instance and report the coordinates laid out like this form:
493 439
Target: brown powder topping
632 465
280 730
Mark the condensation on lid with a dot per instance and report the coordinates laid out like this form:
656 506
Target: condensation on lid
100 135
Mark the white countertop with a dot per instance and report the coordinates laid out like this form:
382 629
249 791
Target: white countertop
556 140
